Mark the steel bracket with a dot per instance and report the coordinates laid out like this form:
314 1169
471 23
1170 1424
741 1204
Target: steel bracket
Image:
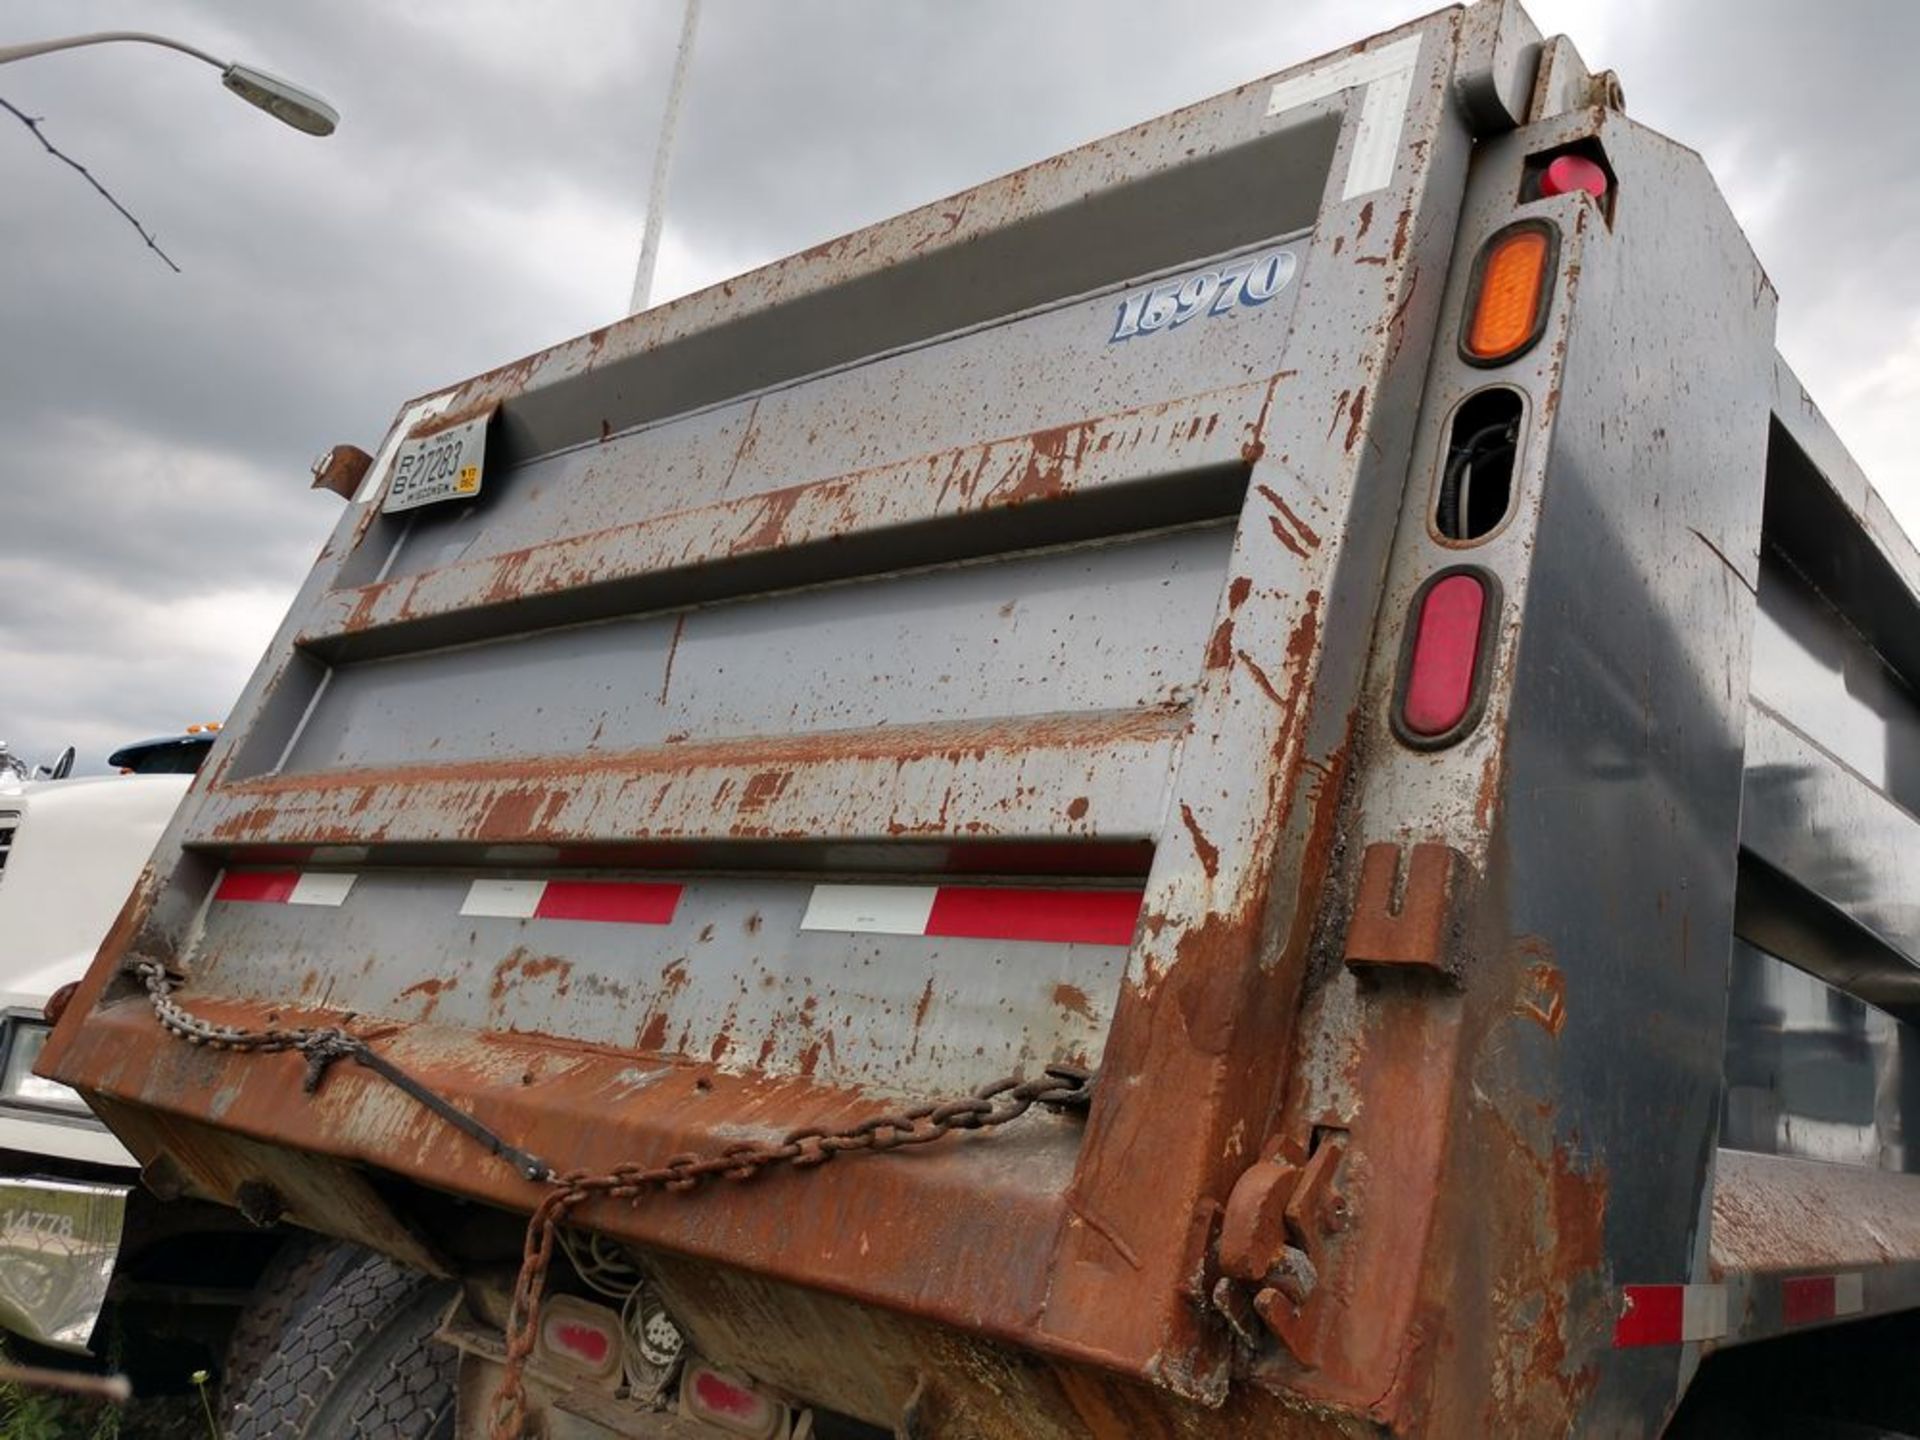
1414 929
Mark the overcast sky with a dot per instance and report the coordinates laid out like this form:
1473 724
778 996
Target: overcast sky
484 195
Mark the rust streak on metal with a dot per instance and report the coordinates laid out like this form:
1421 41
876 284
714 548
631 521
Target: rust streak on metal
900 742
1285 536
1067 997
1106 1232
1220 645
1208 852
673 649
1260 677
1304 530
1356 414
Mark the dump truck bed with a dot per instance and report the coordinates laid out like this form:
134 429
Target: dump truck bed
993 641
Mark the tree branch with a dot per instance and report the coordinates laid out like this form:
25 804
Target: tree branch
33 124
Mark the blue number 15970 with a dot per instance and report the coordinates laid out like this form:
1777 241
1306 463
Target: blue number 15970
1251 281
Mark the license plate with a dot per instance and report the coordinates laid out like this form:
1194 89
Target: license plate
445 465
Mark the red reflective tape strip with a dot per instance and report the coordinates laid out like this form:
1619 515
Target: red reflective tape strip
1446 655
1806 1298
271 887
1670 1314
1089 917
1652 1316
632 903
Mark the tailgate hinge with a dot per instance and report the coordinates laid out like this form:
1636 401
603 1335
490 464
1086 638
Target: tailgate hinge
1272 1248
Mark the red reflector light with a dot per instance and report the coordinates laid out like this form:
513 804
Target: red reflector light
580 1340
727 1402
1440 686
1566 173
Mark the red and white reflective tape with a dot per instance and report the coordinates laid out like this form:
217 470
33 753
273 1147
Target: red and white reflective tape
1671 1315
627 902
976 912
285 887
1807 1298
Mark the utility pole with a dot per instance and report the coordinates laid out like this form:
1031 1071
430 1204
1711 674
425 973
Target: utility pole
662 164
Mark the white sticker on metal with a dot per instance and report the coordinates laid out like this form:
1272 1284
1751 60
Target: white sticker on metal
1703 1314
320 887
1387 74
870 909
1849 1293
505 899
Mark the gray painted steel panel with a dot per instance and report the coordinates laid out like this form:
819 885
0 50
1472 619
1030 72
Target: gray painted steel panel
872 414
1119 626
1812 1071
1816 821
1816 672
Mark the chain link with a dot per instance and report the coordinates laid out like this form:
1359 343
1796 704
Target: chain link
1058 1087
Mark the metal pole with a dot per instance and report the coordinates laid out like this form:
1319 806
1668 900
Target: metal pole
662 163
102 37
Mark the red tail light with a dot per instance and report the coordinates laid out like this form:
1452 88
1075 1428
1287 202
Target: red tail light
729 1403
580 1340
1444 659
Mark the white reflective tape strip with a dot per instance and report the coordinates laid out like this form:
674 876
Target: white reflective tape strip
507 899
1703 1312
1387 74
1849 1294
320 888
870 909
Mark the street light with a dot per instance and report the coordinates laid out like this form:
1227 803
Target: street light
286 102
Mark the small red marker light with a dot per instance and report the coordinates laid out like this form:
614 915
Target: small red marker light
728 1403
1566 173
57 1002
1448 635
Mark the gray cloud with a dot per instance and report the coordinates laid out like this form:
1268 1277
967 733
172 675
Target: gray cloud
484 195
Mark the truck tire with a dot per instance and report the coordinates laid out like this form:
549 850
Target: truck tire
304 1265
357 1361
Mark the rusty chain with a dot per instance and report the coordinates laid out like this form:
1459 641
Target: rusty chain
1058 1087
322 1048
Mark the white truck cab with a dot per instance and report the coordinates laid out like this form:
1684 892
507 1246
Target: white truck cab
70 851
93 1262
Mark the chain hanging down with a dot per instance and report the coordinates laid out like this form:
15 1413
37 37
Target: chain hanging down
1058 1087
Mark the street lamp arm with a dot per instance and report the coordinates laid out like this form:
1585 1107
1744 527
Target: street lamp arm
282 99
103 37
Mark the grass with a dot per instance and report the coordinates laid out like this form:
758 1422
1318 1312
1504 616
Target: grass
42 1415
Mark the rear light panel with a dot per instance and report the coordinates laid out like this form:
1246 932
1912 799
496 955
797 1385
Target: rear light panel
1446 657
1510 293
